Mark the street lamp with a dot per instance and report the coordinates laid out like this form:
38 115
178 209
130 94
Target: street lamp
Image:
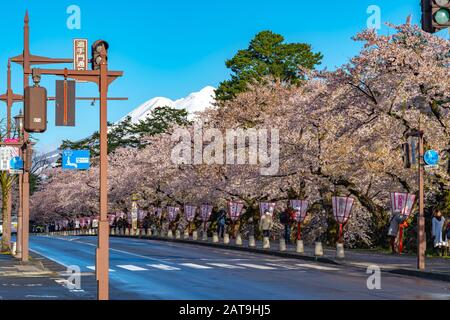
19 123
342 207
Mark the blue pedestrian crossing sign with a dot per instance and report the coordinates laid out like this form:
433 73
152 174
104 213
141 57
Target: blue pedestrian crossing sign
431 158
76 159
15 165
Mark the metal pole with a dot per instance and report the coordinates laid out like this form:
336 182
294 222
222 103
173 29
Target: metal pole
421 241
102 261
25 177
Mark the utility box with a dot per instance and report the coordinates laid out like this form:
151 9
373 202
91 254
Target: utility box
65 103
35 110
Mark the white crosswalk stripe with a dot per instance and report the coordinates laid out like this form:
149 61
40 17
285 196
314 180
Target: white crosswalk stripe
317 267
284 266
93 268
195 266
163 267
225 265
130 267
256 266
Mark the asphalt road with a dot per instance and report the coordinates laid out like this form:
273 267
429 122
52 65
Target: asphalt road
143 269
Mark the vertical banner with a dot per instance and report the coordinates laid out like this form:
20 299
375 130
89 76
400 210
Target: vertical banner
235 210
301 208
205 211
173 213
267 206
189 212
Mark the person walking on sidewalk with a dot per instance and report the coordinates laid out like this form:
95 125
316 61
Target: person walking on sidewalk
437 225
266 224
285 221
221 221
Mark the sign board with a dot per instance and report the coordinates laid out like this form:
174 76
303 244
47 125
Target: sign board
205 211
189 212
235 210
267 206
431 157
6 154
65 103
301 208
342 207
16 165
76 159
80 54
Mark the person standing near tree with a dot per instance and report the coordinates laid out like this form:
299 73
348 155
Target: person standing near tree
285 221
221 221
266 224
437 225
393 231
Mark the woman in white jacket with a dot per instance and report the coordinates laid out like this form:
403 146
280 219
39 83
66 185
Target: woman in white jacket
436 231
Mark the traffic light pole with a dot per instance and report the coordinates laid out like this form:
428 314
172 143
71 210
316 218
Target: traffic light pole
102 257
103 79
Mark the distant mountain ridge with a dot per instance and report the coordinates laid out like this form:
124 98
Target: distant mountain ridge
194 102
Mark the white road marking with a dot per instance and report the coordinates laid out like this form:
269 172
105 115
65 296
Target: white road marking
195 266
317 267
163 267
256 266
224 265
131 267
93 268
284 266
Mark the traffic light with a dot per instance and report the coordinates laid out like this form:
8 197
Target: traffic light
435 15
96 53
35 109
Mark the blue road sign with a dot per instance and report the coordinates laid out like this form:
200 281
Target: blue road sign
431 157
16 163
76 159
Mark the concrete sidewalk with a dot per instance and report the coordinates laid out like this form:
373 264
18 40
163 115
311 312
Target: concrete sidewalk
38 279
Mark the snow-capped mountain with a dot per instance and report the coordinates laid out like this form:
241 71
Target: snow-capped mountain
196 101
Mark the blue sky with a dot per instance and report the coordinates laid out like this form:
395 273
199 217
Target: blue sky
174 47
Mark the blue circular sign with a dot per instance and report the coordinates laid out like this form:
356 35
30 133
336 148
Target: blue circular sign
431 157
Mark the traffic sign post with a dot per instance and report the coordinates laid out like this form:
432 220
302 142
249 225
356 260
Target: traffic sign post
76 160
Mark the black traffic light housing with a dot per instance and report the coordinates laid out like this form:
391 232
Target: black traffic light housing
96 53
430 8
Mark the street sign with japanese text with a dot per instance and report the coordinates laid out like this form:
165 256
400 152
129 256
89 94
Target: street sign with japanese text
76 159
80 54
16 165
6 155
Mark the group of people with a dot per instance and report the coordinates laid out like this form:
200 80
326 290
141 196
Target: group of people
440 232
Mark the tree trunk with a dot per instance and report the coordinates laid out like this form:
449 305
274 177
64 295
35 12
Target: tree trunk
6 237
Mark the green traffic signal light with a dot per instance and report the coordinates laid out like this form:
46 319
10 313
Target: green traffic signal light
442 16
